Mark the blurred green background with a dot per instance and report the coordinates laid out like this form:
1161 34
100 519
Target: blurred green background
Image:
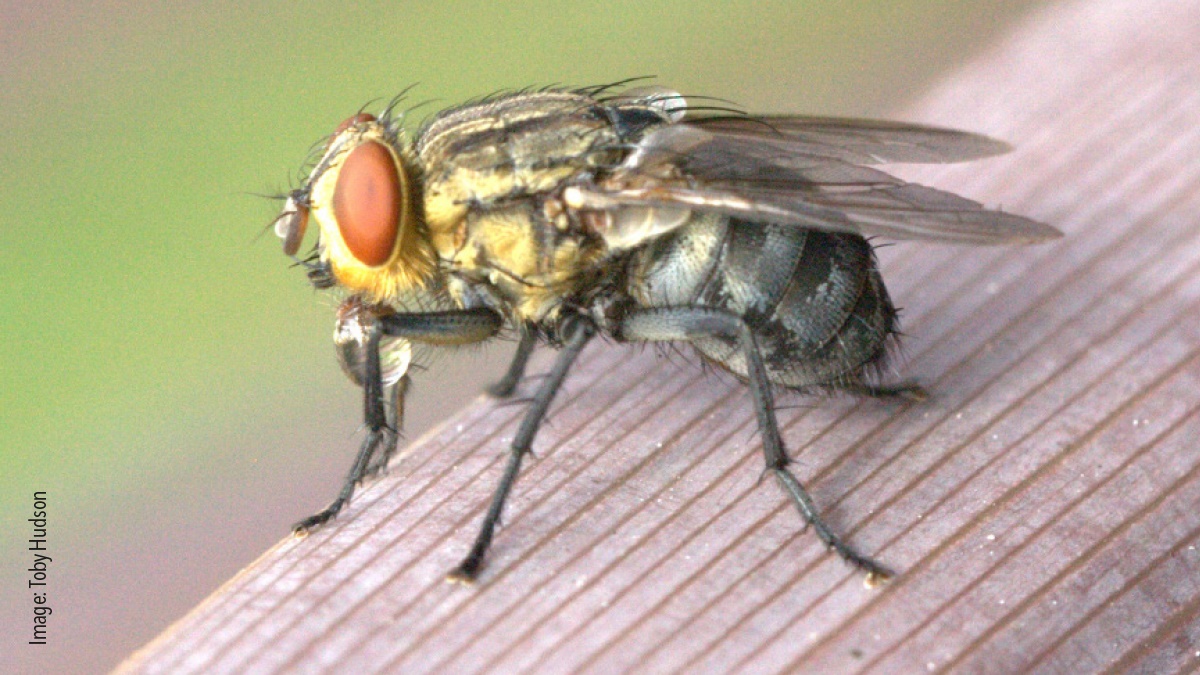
167 379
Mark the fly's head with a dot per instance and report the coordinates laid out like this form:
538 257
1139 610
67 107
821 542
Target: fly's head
364 195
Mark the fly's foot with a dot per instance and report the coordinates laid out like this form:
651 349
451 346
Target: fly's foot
877 578
318 519
502 388
876 575
906 390
466 572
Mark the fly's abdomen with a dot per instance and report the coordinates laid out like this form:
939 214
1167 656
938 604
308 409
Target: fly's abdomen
815 300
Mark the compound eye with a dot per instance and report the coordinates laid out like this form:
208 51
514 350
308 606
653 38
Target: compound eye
291 224
366 203
360 118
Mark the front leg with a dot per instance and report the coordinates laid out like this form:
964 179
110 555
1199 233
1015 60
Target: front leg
393 398
374 349
357 337
688 323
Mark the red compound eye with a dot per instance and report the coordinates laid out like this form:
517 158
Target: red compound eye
366 202
352 121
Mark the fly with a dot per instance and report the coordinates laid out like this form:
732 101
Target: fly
563 215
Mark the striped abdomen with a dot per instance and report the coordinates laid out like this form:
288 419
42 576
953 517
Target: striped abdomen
815 300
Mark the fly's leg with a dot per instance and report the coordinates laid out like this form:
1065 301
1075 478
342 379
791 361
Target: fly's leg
516 370
360 356
378 433
906 390
394 408
688 323
577 332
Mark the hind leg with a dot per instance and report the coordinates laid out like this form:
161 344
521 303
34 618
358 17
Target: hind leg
688 323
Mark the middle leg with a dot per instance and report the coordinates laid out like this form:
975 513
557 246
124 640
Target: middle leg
578 331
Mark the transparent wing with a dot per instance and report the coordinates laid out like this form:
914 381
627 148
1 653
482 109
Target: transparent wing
854 140
796 170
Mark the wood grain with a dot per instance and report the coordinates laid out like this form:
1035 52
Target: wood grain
1043 508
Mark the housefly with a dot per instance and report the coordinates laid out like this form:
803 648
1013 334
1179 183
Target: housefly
562 215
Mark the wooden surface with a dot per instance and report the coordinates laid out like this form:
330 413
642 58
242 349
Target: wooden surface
1042 509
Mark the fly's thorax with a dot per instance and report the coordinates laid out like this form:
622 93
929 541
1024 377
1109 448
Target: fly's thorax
521 259
492 172
480 157
364 195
